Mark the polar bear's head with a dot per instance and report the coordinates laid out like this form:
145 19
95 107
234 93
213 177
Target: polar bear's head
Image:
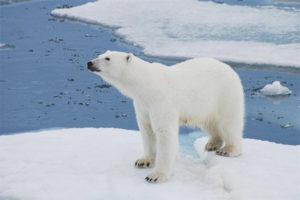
110 65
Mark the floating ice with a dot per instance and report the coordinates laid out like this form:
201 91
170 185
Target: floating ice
286 125
191 28
275 89
7 2
91 163
6 46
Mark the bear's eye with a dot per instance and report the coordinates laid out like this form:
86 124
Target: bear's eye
107 58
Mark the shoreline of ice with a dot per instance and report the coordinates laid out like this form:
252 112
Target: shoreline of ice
235 34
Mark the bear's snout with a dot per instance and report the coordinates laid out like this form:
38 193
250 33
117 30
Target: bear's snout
89 64
91 67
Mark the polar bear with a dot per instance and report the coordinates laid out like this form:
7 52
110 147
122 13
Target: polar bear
201 92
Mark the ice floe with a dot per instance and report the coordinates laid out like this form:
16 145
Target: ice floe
90 163
192 28
275 89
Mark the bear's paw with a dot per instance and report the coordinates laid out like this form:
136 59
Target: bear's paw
144 163
213 146
156 177
228 151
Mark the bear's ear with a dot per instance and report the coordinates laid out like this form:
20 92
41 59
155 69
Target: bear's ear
129 57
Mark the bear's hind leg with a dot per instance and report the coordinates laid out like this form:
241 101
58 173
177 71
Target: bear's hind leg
215 141
232 137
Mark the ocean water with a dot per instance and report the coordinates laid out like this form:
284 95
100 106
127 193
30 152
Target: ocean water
44 83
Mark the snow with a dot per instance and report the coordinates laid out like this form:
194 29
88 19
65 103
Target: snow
275 89
2 45
90 163
192 28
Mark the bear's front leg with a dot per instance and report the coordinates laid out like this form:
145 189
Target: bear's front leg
147 161
166 131
148 137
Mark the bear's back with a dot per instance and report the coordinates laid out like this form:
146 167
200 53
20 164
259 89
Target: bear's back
202 64
203 70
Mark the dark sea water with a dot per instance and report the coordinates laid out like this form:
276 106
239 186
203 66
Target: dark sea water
44 83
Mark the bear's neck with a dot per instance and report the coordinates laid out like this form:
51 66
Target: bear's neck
141 80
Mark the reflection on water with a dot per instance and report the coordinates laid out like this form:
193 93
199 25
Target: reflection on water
277 99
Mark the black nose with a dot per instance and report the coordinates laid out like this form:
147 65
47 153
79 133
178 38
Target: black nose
89 65
92 68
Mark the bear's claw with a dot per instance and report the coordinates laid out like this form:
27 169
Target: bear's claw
156 177
222 153
210 148
144 163
213 145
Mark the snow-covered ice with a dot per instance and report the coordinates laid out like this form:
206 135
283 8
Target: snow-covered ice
90 163
275 89
191 28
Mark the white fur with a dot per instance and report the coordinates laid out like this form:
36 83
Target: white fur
201 92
